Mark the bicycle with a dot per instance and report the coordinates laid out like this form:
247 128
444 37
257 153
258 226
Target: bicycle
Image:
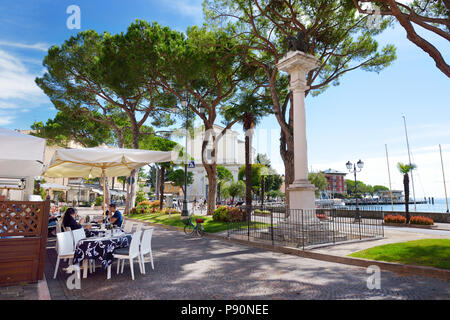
191 229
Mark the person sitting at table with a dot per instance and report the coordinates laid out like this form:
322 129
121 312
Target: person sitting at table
70 222
114 215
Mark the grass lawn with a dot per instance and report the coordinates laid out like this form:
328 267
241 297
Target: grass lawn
426 252
209 225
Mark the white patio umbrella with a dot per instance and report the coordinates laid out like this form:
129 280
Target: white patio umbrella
21 155
102 162
54 186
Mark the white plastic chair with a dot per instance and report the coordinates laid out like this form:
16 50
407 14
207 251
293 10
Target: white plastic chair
146 247
138 226
78 234
128 253
64 248
128 226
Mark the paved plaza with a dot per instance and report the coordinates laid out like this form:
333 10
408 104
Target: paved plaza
209 269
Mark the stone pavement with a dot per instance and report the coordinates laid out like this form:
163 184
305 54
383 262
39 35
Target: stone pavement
208 269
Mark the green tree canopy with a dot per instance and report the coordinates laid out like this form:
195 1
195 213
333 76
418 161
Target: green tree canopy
68 126
233 189
177 178
337 36
319 180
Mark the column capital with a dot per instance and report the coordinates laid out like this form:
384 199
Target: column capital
297 61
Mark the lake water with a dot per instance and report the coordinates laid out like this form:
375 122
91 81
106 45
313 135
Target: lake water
439 206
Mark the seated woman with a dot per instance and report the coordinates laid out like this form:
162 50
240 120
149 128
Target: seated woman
69 220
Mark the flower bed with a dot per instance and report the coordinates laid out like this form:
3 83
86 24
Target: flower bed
322 216
414 222
395 219
229 214
421 221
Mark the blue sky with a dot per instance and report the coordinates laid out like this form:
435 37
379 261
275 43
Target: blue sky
351 121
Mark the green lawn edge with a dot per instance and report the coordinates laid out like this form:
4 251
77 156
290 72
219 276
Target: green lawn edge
424 252
174 220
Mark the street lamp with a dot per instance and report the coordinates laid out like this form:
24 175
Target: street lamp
185 212
352 169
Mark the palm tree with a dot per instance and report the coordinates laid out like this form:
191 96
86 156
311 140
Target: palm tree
405 169
250 109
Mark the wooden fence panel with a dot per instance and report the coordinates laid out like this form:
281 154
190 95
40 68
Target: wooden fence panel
23 238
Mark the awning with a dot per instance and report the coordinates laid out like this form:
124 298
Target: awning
21 155
98 162
54 186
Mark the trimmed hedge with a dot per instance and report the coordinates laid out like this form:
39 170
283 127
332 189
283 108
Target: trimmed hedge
229 214
394 219
421 220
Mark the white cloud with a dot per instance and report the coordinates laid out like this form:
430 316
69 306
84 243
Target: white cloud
4 120
191 8
37 46
16 81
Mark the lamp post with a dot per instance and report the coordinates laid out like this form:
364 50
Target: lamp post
352 169
185 212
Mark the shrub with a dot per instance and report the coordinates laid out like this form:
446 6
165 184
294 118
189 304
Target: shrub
140 197
229 214
322 216
257 211
166 211
236 215
99 201
133 211
220 214
421 220
394 219
145 203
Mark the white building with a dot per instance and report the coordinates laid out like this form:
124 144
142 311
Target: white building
230 153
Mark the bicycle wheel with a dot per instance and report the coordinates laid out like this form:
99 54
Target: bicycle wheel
189 229
200 231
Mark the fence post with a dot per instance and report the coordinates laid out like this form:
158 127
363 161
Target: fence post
271 226
359 223
333 212
303 232
248 223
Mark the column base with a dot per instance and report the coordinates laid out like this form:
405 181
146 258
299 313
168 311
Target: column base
302 197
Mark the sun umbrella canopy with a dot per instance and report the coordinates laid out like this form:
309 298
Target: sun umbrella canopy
53 186
21 155
97 162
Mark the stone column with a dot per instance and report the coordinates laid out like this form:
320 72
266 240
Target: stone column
301 192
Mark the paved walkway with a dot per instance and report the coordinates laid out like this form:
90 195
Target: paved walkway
208 269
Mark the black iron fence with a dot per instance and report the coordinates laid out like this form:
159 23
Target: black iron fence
307 228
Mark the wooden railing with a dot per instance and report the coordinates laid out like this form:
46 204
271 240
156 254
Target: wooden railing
23 237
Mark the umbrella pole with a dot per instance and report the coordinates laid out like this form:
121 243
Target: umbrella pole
104 193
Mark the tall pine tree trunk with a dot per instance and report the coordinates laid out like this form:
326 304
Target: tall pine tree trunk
248 128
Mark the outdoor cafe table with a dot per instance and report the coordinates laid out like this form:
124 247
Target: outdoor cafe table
99 248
